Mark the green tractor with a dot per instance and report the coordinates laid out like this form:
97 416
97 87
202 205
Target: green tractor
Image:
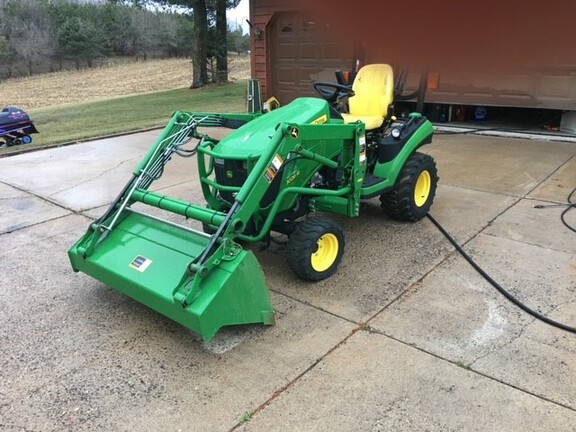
268 175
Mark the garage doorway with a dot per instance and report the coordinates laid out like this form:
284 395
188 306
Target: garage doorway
301 51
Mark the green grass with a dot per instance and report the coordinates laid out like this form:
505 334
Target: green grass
246 417
77 122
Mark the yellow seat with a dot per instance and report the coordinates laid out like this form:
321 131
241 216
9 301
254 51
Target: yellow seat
373 94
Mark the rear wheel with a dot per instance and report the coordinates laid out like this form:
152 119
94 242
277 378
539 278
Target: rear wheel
315 248
413 194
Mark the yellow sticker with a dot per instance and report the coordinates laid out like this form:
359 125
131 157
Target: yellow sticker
293 177
321 120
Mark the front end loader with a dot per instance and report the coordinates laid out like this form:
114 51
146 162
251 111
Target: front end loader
267 176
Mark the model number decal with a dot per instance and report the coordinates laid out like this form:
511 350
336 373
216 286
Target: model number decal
321 120
293 177
140 263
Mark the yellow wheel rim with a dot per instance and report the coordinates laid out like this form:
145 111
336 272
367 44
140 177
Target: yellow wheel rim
422 189
326 253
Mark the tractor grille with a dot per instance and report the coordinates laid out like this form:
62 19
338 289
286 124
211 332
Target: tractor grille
234 173
230 173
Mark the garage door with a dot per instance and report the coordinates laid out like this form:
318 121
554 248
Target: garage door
303 51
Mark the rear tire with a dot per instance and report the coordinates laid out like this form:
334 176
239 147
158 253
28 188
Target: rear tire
412 196
315 249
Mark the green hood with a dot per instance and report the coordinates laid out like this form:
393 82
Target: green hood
252 139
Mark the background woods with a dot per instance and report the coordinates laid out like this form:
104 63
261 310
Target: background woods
39 36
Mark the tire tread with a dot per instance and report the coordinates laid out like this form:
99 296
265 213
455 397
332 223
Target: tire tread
398 203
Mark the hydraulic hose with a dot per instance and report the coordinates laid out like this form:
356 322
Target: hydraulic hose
496 285
571 205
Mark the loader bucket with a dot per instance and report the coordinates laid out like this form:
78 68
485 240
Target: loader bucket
149 260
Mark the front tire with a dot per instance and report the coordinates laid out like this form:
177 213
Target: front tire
412 196
315 249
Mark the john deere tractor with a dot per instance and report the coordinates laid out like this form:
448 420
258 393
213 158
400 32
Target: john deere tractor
278 172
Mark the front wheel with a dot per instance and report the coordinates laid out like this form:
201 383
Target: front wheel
315 249
413 194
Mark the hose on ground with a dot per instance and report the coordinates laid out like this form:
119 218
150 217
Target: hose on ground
496 285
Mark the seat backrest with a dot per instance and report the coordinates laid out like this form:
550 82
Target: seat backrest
373 91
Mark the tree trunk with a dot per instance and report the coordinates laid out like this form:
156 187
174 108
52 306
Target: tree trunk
222 52
200 51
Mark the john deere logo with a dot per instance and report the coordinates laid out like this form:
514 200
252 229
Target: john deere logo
229 174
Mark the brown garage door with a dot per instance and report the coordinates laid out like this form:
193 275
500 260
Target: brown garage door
301 52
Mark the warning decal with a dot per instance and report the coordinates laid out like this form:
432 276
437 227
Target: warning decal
273 168
362 149
140 263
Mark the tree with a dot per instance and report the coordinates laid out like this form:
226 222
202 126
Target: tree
3 47
200 50
237 40
40 35
117 23
207 13
34 46
80 40
4 52
222 31
184 35
135 3
222 52
81 32
142 36
27 30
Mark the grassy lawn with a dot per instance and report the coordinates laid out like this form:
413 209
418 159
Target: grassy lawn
76 122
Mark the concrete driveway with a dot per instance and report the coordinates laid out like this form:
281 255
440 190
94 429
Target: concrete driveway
405 337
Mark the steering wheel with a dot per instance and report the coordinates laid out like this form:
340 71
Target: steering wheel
332 91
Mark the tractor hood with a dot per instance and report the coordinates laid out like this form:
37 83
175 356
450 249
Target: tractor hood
252 139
